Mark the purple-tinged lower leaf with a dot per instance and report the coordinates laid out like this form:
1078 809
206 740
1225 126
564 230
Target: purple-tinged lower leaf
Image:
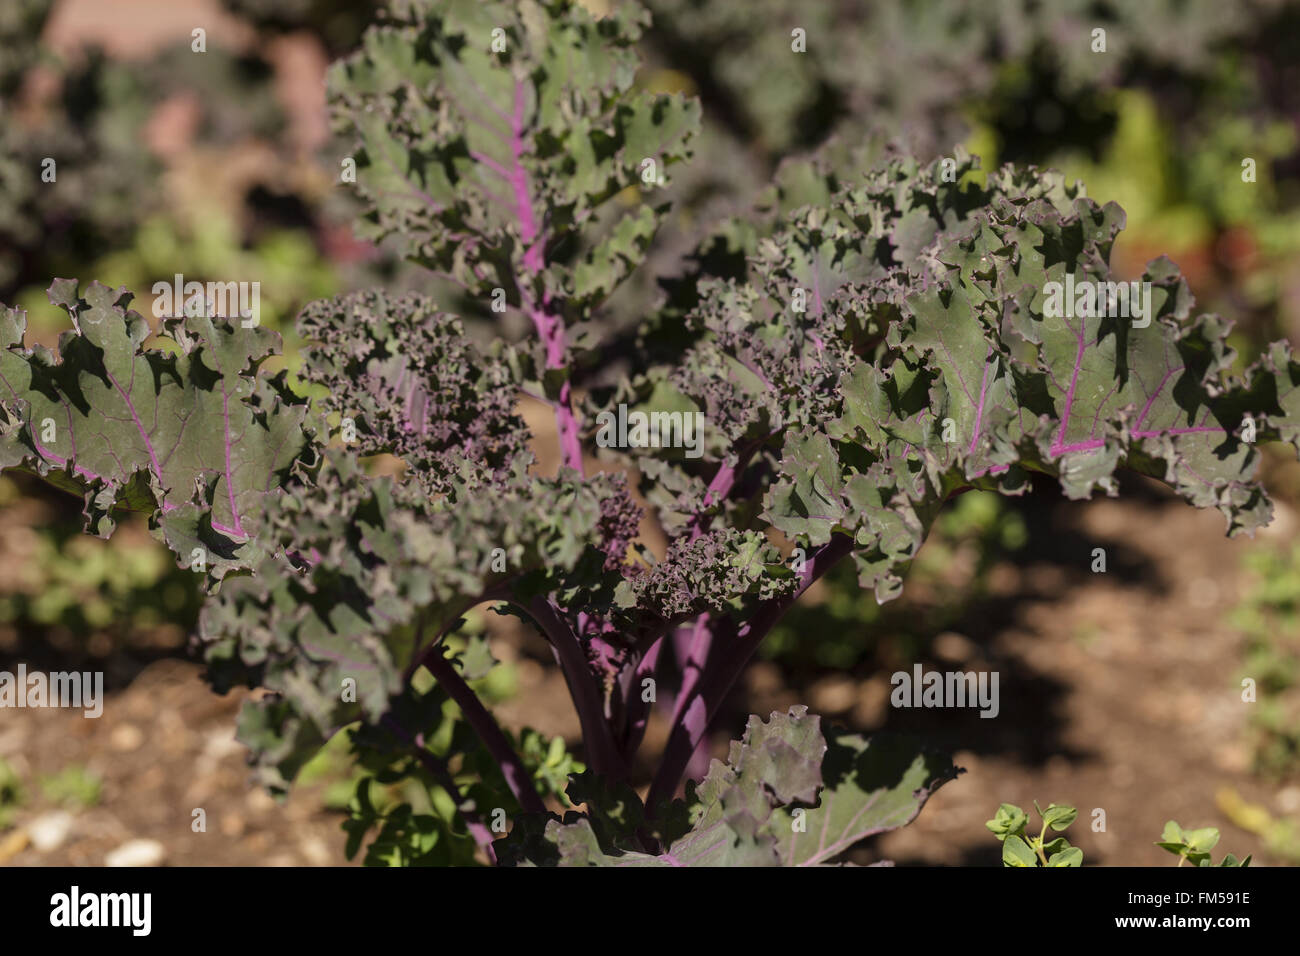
782 798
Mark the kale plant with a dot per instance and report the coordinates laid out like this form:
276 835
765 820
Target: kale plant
877 341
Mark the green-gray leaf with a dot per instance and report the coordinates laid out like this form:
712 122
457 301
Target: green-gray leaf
188 432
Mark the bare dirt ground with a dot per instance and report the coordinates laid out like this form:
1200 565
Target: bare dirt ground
1120 692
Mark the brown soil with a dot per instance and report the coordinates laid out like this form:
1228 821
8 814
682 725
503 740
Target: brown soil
1119 692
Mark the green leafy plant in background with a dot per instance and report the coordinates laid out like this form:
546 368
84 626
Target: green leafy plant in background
91 125
876 343
73 786
932 61
1268 613
82 594
1194 846
291 270
11 794
1022 848
1279 834
339 23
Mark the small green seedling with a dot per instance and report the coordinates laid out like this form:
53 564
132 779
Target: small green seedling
1194 846
73 786
1022 849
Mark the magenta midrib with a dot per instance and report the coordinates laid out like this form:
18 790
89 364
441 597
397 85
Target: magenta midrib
550 328
824 852
1058 445
81 469
130 407
979 409
1159 388
517 178
230 478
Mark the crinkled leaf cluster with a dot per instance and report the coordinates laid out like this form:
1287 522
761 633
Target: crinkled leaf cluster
902 342
418 388
366 574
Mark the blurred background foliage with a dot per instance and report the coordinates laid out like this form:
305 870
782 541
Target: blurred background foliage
222 166
1269 616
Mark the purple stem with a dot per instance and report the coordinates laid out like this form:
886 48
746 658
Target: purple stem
692 649
638 710
485 725
719 488
602 752
722 671
497 592
693 653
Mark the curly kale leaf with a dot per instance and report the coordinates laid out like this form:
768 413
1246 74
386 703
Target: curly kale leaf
419 389
912 336
188 432
821 289
492 135
709 573
366 575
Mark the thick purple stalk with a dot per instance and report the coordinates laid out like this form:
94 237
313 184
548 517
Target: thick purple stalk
693 657
718 489
485 725
723 670
692 650
638 711
602 753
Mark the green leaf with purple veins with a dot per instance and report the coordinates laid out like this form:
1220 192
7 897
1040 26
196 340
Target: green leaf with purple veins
193 435
492 135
